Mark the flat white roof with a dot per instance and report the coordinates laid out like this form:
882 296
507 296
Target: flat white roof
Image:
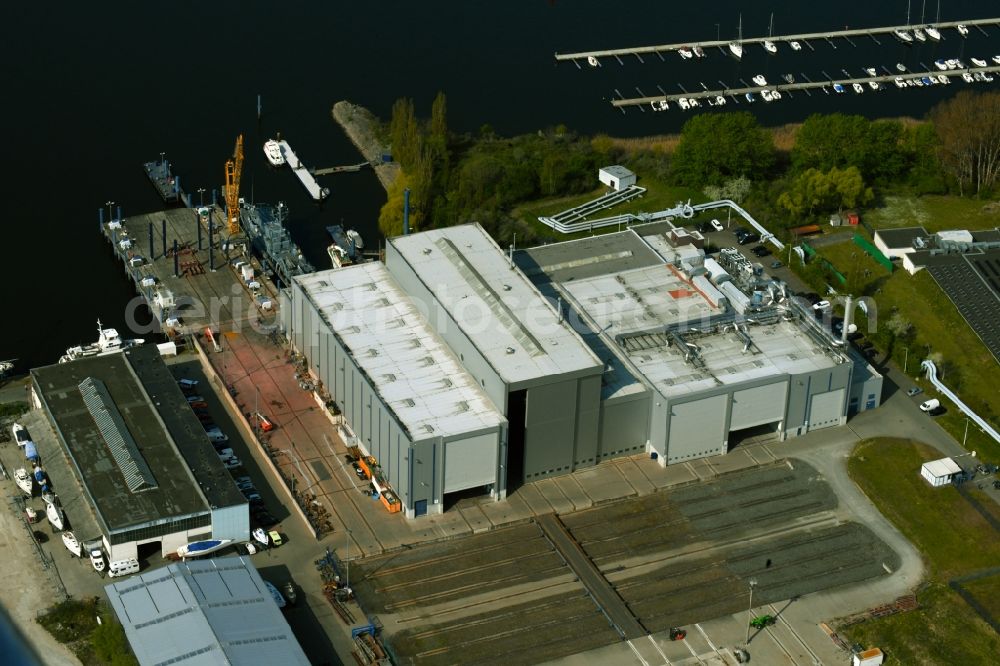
646 299
495 305
409 366
942 467
212 611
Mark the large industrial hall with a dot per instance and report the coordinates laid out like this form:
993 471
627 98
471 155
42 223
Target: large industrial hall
119 428
461 366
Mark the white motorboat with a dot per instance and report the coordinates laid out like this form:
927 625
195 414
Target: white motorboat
698 51
941 64
903 36
24 480
720 101
760 80
900 67
662 105
874 85
766 95
960 64
6 366
838 88
933 33
97 559
943 78
962 30
952 63
108 342
694 102
871 71
979 76
346 246
988 78
684 103
795 46
858 88
72 545
900 82
199 548
979 62
967 77
750 98
996 59
260 536
790 78
593 62
918 34
272 149
21 435
55 515
276 594
775 95
685 53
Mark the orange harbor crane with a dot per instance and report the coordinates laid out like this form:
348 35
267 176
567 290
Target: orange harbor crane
234 168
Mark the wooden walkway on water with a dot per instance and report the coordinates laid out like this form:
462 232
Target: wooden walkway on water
805 39
737 95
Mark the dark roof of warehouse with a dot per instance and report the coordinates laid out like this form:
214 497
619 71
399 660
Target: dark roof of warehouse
185 476
901 238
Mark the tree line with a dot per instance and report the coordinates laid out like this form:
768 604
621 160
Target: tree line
454 179
836 161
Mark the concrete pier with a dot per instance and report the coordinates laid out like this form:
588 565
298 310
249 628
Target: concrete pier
180 283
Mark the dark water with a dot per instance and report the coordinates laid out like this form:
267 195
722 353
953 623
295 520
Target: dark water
95 89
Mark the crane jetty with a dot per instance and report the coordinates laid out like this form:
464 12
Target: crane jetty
317 192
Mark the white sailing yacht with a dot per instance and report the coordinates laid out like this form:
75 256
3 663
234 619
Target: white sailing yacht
736 48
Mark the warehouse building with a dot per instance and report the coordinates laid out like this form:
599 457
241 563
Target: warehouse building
427 421
713 350
147 470
213 611
565 355
515 343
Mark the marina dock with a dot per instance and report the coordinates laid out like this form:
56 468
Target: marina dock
179 264
804 39
303 173
737 94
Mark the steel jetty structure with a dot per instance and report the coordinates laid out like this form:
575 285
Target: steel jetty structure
304 174
804 38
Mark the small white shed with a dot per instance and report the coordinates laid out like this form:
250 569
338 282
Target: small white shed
616 177
940 472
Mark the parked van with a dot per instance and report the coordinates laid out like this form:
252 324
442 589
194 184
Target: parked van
187 383
216 435
930 405
123 567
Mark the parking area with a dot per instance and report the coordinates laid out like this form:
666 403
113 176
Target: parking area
676 558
